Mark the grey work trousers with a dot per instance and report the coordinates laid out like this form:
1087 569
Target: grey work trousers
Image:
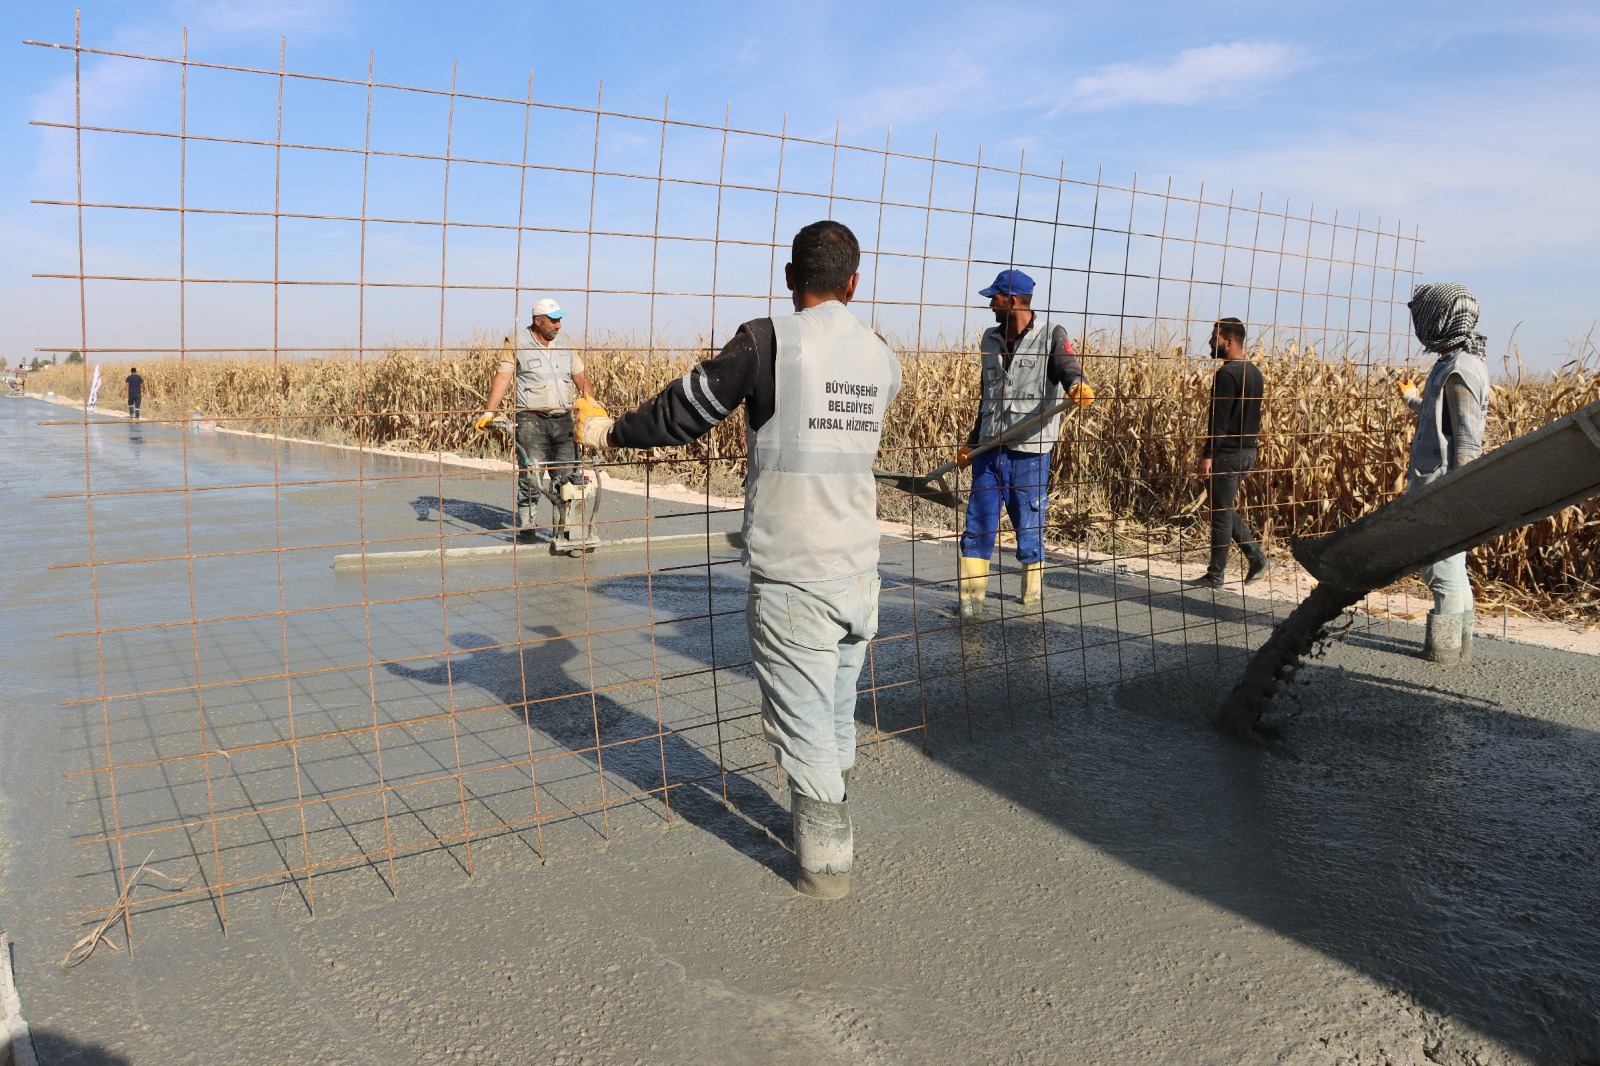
808 641
1227 524
543 444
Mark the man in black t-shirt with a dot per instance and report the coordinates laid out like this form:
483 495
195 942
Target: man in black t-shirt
1230 452
135 385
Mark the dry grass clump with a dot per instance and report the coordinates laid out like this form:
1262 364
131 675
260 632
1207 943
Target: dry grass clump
1558 557
1334 445
406 398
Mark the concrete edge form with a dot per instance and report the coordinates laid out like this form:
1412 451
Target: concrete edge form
355 560
17 1047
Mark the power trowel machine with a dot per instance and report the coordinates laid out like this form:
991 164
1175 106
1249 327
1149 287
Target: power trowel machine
576 500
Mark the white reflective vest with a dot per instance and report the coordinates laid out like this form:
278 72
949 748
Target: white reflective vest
811 503
544 375
1013 395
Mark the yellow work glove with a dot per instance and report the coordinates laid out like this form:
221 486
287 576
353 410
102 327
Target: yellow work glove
963 457
1409 391
483 421
590 424
1082 395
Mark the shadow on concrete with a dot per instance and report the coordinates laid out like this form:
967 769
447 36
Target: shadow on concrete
1415 832
1161 593
536 680
52 1048
465 514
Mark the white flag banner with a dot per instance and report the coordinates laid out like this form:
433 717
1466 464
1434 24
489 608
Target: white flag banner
94 387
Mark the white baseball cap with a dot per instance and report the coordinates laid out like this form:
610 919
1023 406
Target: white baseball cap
548 308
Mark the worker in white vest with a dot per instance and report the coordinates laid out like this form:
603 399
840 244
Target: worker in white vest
549 376
814 386
1028 365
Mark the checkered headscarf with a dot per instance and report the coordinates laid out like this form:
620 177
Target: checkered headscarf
1444 315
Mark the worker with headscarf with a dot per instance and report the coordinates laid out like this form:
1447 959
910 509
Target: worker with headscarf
1451 408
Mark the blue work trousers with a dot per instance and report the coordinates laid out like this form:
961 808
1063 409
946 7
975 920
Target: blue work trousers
1021 480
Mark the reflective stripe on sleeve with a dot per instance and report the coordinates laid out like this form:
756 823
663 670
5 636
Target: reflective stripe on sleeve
688 392
704 381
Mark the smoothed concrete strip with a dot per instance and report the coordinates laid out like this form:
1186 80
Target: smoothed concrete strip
16 1043
356 560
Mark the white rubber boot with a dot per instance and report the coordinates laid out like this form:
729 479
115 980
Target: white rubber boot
1467 619
1449 638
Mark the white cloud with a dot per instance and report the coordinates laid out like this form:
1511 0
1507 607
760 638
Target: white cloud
111 88
255 17
749 55
109 91
108 87
1193 76
1500 185
956 86
33 245
1510 185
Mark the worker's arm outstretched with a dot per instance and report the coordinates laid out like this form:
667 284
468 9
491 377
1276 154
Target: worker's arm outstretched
692 406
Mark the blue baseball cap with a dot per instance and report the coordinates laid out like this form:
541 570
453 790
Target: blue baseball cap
1009 283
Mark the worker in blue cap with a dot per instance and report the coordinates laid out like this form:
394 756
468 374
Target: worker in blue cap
1028 366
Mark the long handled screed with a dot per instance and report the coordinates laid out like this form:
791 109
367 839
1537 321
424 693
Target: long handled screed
932 486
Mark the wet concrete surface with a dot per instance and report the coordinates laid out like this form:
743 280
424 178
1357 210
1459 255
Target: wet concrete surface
1069 865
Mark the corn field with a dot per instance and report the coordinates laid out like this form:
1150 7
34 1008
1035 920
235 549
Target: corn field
1335 437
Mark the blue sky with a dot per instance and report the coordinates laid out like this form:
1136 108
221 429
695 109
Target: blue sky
1475 122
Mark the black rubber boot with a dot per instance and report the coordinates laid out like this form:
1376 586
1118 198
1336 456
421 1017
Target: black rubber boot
824 847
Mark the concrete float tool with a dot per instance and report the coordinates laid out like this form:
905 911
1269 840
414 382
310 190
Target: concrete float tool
1517 484
932 485
573 533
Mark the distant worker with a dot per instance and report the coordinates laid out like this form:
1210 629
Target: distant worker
135 384
1232 427
1028 366
815 386
549 376
1452 408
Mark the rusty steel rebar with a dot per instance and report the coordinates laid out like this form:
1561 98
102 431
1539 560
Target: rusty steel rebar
1280 278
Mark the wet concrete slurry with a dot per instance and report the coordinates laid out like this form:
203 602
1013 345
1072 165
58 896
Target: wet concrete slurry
1091 876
